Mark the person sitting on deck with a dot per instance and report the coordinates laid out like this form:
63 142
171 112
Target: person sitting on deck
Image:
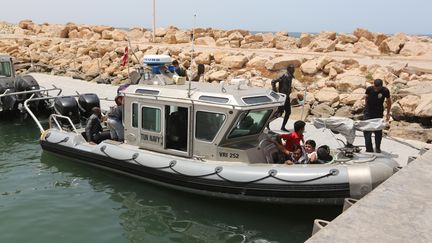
323 155
311 153
295 157
94 132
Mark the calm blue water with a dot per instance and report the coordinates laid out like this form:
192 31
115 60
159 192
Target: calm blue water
45 198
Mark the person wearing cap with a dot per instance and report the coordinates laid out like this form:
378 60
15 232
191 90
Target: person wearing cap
114 120
374 98
284 86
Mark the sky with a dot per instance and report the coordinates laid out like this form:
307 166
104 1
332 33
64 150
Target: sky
387 16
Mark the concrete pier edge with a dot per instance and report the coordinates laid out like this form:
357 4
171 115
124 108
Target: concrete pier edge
399 210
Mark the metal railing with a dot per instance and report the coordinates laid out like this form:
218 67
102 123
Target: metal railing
53 118
6 93
31 99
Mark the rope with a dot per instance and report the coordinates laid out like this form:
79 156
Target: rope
217 171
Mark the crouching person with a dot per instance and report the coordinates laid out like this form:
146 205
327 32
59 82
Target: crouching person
93 130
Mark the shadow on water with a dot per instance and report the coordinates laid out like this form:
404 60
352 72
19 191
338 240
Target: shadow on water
151 213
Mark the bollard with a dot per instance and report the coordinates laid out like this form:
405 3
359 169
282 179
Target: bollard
348 202
318 225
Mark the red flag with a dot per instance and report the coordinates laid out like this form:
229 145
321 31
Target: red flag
125 58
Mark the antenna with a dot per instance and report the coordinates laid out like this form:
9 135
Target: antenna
154 21
192 55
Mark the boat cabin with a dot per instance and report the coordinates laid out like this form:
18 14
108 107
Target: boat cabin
207 121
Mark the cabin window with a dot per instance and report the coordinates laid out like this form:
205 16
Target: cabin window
214 99
151 119
250 123
5 69
177 124
208 125
274 95
256 100
135 115
147 91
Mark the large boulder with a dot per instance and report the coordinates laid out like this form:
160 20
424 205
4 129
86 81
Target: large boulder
309 67
349 83
412 48
101 28
136 33
235 36
424 108
304 40
322 45
285 42
182 37
327 35
360 32
365 47
242 32
409 104
25 24
161 32
257 63
218 56
384 74
412 131
280 63
223 42
327 95
420 88
118 35
323 110
170 38
203 58
344 111
205 41
352 97
337 66
347 38
393 44
379 38
218 75
234 62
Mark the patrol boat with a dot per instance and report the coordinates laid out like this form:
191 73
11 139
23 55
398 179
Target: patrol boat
211 139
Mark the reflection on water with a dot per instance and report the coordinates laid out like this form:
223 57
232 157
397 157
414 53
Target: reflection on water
59 200
150 213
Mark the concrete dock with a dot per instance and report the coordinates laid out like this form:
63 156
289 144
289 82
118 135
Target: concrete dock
70 86
399 210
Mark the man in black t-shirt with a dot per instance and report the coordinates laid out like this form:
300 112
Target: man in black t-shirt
285 83
374 108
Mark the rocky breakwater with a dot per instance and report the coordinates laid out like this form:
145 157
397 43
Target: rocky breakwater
330 65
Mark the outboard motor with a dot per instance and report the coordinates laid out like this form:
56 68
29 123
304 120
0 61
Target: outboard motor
86 102
7 103
27 83
67 106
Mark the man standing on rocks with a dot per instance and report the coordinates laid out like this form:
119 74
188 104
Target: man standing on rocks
284 83
374 108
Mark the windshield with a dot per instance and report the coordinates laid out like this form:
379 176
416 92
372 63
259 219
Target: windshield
5 69
250 123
